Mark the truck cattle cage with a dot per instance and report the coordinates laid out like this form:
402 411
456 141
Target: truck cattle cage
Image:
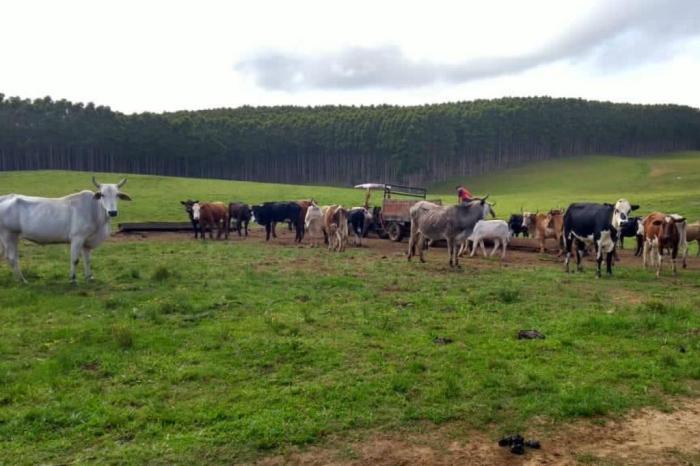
393 219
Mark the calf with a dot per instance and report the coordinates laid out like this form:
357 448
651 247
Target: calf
543 226
595 224
313 223
189 203
662 232
359 220
497 231
210 215
515 223
631 229
336 225
241 213
269 213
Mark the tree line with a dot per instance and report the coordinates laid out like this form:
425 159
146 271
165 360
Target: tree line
334 144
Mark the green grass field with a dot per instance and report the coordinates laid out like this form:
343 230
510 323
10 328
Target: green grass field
669 182
221 352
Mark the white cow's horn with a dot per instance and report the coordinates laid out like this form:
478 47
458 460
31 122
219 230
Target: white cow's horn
121 183
94 181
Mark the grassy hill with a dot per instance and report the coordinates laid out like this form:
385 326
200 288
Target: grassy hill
669 182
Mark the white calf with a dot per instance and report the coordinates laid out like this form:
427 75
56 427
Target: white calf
494 230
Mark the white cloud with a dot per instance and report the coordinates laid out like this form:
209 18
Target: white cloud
162 55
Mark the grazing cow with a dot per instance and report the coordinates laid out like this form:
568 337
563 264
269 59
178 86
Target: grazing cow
210 215
313 223
81 219
189 208
516 225
543 226
270 213
359 220
431 222
497 231
335 223
662 232
241 213
596 224
632 229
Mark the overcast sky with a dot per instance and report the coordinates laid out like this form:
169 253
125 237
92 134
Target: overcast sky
152 55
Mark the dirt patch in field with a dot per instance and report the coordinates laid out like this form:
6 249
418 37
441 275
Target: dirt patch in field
521 252
648 437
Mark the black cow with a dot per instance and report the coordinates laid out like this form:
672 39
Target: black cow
630 229
515 223
195 223
270 213
241 214
588 223
359 220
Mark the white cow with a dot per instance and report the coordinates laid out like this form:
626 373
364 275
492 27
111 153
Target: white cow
81 219
494 230
313 223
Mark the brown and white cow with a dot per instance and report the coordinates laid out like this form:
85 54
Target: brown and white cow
543 226
662 232
210 215
335 224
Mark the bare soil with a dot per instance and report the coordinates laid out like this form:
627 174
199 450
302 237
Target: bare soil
522 252
647 437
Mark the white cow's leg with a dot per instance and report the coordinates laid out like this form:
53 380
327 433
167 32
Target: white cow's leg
504 245
11 243
76 246
659 259
496 245
645 252
87 257
452 252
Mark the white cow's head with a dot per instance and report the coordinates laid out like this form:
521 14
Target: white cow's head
108 194
621 212
196 208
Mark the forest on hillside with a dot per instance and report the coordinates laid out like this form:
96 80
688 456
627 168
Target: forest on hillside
336 145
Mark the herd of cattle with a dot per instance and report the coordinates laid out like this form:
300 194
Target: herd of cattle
332 222
83 221
583 226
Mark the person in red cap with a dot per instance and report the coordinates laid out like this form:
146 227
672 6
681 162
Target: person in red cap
463 194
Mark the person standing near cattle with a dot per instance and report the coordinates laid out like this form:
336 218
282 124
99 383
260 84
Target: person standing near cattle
463 194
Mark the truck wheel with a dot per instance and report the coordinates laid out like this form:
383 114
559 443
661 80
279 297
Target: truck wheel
395 232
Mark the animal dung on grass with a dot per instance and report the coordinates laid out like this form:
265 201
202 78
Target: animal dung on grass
442 340
517 444
530 335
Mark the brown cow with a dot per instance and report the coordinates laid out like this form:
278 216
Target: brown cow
692 233
662 232
304 204
210 215
542 226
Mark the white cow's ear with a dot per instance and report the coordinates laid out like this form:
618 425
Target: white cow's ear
98 195
634 207
123 196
